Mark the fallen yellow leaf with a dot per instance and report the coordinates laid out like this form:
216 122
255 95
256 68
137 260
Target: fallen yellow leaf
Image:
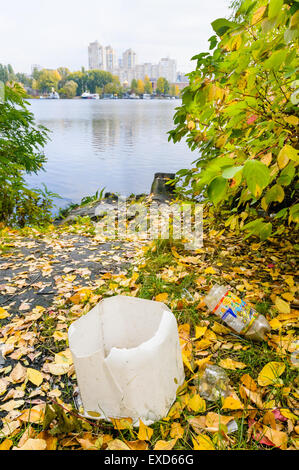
35 377
282 306
165 445
213 422
186 361
270 373
202 442
88 443
197 404
64 357
12 405
58 369
275 324
33 444
279 438
231 364
202 344
162 297
202 362
289 280
248 382
3 386
288 414
220 329
200 331
28 434
3 314
6 445
137 445
18 374
288 296
210 271
117 444
145 433
33 415
60 336
70 278
123 423
76 299
230 403
50 440
176 431
9 428
255 246
255 397
269 405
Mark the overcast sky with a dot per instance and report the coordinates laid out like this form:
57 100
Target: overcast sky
57 33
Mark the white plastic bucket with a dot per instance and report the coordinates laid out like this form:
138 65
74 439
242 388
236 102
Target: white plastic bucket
127 358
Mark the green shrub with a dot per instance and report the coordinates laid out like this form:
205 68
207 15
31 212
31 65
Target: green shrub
240 112
21 151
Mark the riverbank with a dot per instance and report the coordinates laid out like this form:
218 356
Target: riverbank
36 264
75 268
152 97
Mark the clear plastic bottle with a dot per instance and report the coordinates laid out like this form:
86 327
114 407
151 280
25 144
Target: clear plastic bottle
236 313
213 383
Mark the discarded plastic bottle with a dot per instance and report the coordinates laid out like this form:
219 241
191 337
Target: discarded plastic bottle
213 383
236 313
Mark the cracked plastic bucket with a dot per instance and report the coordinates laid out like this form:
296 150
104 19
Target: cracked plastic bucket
128 360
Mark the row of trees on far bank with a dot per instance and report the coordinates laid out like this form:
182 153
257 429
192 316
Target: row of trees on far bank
139 87
70 84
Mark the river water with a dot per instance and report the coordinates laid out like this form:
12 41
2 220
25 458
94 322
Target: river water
116 144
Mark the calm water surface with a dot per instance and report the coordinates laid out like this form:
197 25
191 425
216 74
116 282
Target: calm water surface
116 144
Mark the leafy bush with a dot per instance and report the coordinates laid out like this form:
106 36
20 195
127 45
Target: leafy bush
21 143
240 111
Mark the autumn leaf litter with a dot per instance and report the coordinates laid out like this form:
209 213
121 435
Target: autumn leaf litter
37 377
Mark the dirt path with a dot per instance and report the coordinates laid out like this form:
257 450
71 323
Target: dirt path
36 270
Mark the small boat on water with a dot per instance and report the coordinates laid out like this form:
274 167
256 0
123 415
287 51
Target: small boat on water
54 96
51 96
90 96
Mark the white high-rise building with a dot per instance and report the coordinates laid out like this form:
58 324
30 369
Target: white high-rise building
96 56
155 72
147 69
129 59
121 74
139 71
111 60
168 69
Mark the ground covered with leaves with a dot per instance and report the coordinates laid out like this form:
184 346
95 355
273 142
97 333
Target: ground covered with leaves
46 285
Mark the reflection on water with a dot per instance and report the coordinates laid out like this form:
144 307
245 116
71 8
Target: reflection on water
116 144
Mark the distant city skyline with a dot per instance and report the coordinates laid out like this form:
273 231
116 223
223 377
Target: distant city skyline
33 33
126 66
